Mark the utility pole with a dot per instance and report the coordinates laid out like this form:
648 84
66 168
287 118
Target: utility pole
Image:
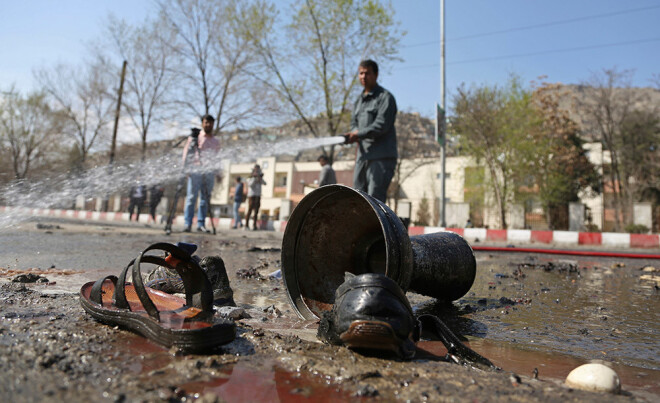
441 129
114 130
113 145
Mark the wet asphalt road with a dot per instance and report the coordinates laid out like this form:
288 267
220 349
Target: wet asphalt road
602 311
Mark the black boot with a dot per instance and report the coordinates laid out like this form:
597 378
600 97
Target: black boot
215 270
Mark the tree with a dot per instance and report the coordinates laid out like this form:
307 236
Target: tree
492 125
82 95
314 71
28 128
212 37
557 161
150 76
607 102
640 156
423 214
416 149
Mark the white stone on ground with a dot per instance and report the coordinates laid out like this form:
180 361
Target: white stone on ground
594 377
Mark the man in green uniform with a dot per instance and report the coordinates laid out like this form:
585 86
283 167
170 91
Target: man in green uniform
372 127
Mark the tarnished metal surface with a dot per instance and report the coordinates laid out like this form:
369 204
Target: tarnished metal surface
336 229
444 265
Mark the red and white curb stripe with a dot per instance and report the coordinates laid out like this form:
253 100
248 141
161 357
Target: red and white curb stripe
514 236
563 238
99 216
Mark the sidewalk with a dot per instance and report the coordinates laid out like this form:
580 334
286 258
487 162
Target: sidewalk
472 235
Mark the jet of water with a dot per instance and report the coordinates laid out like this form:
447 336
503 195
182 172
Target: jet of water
61 190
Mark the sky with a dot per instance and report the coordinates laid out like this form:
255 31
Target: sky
486 41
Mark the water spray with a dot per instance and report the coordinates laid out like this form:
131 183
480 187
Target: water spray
59 191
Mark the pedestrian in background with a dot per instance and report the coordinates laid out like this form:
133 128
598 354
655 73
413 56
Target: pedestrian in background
238 199
327 175
254 196
155 194
372 127
137 194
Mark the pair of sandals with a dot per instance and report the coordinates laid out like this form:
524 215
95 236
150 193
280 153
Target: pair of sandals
371 313
188 324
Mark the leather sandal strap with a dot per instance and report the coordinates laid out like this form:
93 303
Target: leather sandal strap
119 297
197 287
140 289
454 346
96 294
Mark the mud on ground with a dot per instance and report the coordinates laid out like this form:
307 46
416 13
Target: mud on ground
51 350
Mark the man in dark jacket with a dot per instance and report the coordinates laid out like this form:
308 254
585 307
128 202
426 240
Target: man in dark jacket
372 127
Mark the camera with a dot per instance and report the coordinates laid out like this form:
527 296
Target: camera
194 132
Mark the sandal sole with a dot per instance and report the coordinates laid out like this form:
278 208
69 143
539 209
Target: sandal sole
376 335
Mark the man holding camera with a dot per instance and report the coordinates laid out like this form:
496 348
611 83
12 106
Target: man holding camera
200 181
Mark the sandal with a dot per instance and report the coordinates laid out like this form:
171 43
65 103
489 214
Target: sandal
188 324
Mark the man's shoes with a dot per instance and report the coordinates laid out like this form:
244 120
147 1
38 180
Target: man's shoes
203 229
215 270
371 312
186 229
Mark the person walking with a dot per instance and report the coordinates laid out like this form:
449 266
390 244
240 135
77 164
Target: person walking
372 127
254 196
200 181
238 199
327 175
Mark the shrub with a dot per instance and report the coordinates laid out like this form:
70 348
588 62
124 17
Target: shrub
637 229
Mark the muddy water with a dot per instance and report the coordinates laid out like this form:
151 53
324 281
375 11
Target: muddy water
239 381
601 311
524 313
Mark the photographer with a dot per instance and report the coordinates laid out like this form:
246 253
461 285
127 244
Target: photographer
207 146
254 196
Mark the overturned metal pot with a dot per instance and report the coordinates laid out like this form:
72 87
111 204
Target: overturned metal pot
337 229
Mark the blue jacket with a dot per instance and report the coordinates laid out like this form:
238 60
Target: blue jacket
238 192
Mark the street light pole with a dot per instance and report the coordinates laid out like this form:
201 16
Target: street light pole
441 120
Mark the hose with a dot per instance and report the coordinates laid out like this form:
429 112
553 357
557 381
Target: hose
626 255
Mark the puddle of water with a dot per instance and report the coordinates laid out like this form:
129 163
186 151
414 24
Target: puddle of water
599 313
550 366
268 383
239 382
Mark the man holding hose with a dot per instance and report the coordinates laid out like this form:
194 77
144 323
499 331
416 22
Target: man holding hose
372 127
